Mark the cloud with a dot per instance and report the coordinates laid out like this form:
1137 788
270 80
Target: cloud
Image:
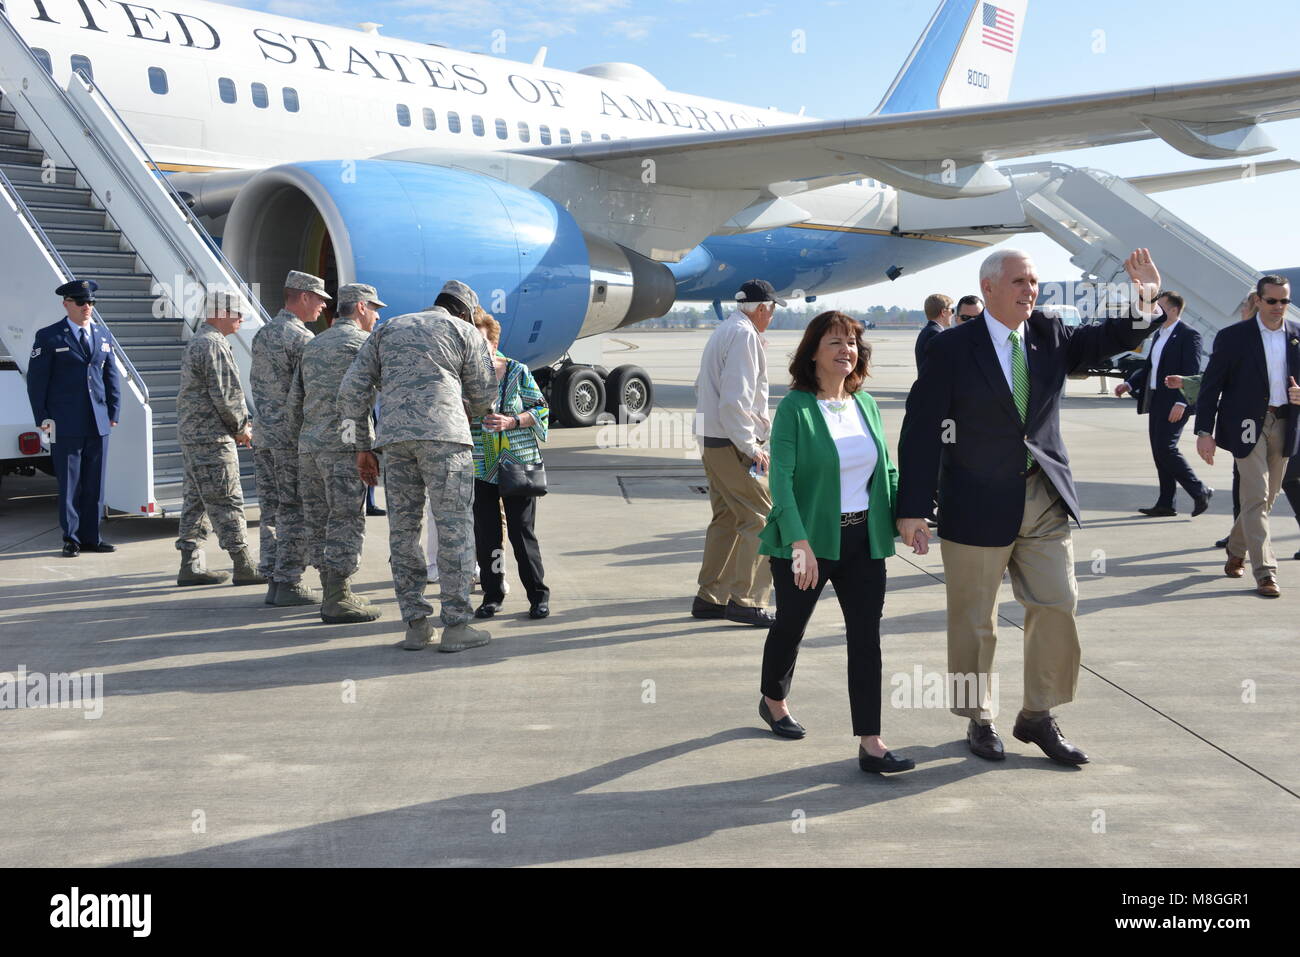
635 28
710 37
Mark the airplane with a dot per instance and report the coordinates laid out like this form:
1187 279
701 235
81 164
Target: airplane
580 202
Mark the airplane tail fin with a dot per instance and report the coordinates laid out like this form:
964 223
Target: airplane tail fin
965 57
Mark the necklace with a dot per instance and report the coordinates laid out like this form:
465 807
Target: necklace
835 406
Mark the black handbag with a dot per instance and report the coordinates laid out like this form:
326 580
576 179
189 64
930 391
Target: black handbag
515 479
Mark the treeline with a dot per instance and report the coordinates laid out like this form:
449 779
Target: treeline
794 317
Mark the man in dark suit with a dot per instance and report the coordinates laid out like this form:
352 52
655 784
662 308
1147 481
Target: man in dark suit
73 386
983 420
968 308
1250 405
938 316
1175 350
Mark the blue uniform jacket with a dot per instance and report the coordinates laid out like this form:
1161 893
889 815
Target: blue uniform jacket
81 393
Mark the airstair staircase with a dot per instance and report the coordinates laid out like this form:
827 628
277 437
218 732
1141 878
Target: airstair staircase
80 198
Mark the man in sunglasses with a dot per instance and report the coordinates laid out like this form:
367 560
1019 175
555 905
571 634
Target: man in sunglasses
75 392
1250 405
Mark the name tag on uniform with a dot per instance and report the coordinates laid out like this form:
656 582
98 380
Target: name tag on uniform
103 347
61 348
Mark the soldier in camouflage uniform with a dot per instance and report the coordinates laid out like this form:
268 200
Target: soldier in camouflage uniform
211 419
277 348
333 495
430 367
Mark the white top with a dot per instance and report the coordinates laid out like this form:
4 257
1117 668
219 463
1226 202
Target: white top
857 451
1153 383
1001 336
1275 356
731 395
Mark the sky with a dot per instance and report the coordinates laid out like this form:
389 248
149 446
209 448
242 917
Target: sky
742 51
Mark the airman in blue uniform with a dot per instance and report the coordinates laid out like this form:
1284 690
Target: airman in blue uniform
75 392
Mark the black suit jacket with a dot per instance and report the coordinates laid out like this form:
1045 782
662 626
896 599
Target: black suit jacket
1181 356
923 338
1234 390
962 428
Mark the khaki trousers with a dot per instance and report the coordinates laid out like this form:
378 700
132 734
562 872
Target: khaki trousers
1041 562
732 569
1261 474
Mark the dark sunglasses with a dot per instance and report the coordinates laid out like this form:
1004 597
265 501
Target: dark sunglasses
1274 302
91 302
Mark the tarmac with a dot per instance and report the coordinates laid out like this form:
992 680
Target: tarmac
620 731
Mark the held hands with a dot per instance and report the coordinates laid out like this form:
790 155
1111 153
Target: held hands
915 532
763 460
1122 390
1205 446
1176 413
803 564
1293 392
245 436
368 467
1142 270
1173 382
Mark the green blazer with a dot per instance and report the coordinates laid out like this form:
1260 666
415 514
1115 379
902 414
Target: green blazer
805 481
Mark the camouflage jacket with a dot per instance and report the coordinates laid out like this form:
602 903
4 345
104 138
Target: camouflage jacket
210 403
315 386
430 367
277 347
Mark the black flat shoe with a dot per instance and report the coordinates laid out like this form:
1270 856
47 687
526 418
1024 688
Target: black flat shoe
1201 504
887 764
372 511
707 609
540 610
1223 543
745 615
786 727
487 609
99 547
1159 511
71 549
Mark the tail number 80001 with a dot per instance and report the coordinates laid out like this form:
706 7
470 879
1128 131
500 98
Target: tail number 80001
976 78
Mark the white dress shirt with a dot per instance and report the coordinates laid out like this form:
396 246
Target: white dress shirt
731 391
77 330
1001 336
1153 383
1275 356
857 451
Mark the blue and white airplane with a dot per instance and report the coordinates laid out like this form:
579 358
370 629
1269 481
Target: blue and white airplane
579 202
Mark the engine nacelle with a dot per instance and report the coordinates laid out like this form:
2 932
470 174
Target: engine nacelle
406 228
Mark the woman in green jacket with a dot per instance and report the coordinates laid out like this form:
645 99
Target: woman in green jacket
833 490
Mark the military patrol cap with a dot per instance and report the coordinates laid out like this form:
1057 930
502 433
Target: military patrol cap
306 282
220 301
461 293
359 292
78 289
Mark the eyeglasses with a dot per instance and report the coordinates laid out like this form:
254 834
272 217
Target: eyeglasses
1274 302
91 302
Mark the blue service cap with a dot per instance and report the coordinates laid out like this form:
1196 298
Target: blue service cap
78 289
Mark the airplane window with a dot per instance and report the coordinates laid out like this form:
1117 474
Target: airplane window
453 122
44 57
226 87
604 136
82 64
501 129
564 136
586 137
158 80
260 98
290 99
403 115
544 134
476 122
524 134
430 119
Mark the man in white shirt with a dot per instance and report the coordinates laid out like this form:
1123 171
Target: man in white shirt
733 423
1249 404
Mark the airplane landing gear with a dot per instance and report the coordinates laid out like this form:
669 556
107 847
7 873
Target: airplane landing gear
578 395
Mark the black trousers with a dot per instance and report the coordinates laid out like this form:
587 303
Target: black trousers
859 583
1171 466
521 512
1291 485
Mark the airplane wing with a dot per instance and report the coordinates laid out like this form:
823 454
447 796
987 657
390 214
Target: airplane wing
1162 182
948 153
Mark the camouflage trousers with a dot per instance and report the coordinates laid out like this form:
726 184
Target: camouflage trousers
284 532
212 496
333 502
445 470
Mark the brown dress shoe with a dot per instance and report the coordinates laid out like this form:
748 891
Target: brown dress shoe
1235 567
1268 588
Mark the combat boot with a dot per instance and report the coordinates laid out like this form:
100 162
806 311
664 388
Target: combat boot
270 592
419 633
350 596
245 570
288 594
339 606
460 637
192 572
